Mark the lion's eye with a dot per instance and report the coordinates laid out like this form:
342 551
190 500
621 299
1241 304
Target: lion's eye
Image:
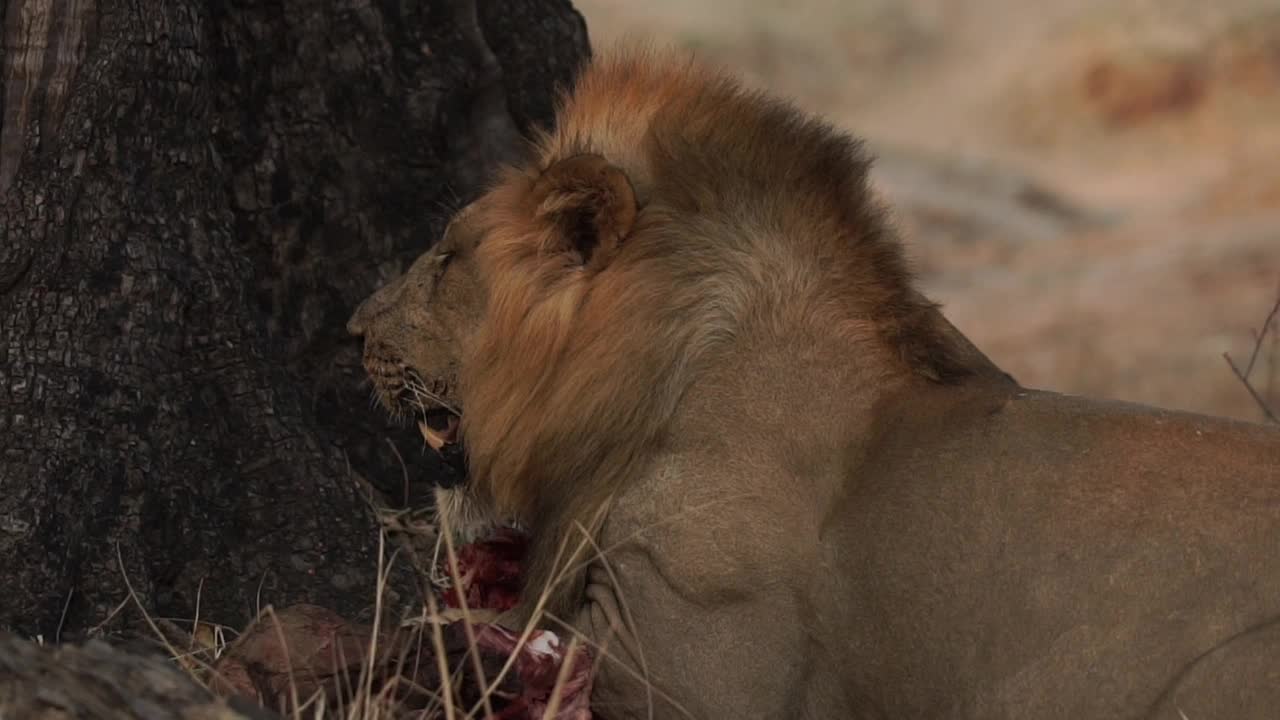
443 262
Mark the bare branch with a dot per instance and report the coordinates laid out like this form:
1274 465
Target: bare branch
1259 338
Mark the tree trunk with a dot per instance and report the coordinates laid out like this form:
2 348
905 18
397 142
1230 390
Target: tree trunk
193 197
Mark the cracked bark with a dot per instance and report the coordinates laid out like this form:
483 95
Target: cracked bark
193 196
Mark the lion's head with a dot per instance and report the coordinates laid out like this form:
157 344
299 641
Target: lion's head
497 296
670 222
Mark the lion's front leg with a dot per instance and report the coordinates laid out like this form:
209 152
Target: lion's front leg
676 647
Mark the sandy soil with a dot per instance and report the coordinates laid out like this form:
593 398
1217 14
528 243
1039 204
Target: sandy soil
1090 187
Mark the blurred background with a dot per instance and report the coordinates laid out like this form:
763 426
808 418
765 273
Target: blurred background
1091 188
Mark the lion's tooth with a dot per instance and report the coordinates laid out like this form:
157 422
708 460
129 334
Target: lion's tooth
433 438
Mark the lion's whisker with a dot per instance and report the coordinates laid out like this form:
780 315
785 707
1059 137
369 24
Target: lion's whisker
419 389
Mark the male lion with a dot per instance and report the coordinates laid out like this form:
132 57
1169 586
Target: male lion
684 328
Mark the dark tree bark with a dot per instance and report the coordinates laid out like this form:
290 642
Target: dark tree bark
193 197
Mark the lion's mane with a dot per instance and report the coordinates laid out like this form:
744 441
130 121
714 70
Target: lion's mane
750 219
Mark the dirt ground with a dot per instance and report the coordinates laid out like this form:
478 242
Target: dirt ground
1090 187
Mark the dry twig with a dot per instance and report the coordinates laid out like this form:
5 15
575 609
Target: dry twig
1243 375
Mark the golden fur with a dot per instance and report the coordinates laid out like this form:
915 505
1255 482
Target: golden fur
687 299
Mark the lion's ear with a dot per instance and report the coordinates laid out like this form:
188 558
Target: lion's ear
591 204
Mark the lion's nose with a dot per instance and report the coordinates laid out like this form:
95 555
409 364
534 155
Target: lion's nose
357 323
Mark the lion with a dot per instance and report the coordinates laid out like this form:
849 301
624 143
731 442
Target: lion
680 344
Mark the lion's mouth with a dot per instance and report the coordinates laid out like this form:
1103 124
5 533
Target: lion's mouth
439 428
